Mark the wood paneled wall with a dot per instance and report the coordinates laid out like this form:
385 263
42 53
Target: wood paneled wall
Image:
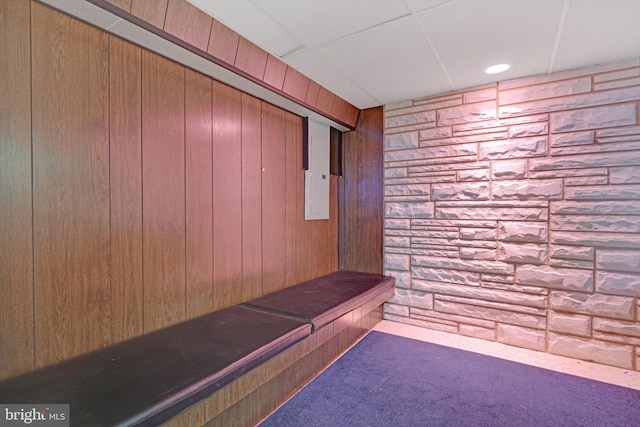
180 20
135 193
361 194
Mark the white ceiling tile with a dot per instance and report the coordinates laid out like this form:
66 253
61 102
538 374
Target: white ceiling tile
316 22
597 31
420 5
472 35
393 62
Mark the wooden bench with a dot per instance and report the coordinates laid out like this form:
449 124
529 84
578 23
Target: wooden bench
150 379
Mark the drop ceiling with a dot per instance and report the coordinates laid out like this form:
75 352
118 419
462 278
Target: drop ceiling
376 52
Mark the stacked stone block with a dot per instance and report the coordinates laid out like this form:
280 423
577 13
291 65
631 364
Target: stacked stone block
512 212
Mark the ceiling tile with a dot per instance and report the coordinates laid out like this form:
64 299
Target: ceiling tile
316 22
599 31
393 62
472 35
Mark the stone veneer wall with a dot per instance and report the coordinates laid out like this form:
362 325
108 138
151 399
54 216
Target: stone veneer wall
512 213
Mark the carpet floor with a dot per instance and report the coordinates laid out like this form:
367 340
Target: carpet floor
387 380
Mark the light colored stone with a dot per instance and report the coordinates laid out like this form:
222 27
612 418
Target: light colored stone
447 276
412 298
621 131
572 138
597 148
574 324
596 117
407 189
409 210
396 309
617 74
570 103
547 189
478 254
431 152
625 175
465 139
568 173
473 175
521 337
399 224
396 172
618 260
493 124
453 317
618 283
396 241
452 167
477 332
571 263
522 253
586 180
409 119
478 267
467 113
603 239
439 98
596 304
546 90
534 146
614 84
572 252
421 323
401 141
505 297
403 278
452 225
493 304
529 129
522 231
605 223
396 262
435 133
592 350
408 128
389 108
617 326
596 208
593 160
555 278
495 213
479 95
509 169
467 191
468 233
497 315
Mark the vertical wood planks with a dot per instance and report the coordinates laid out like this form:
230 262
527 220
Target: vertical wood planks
273 198
199 194
16 253
126 188
227 195
71 185
251 197
293 168
361 196
163 180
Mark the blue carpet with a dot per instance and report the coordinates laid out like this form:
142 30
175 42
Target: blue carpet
386 380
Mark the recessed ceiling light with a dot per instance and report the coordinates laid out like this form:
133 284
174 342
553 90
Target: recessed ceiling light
498 68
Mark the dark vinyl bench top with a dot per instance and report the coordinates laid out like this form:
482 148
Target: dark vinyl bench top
322 300
151 378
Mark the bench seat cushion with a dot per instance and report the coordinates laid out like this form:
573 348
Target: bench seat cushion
322 300
149 379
